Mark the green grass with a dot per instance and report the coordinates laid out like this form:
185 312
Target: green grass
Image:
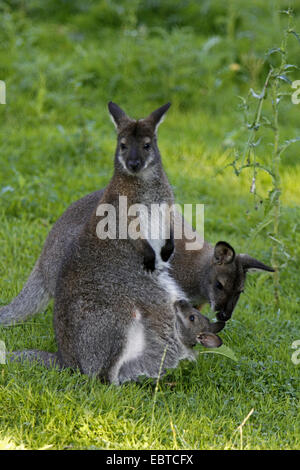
57 143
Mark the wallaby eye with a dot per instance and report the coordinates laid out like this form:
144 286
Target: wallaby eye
123 146
146 146
192 317
219 285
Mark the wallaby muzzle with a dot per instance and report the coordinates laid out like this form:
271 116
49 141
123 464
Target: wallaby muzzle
225 312
209 340
134 163
223 316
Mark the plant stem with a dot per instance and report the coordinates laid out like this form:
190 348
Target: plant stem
257 117
277 191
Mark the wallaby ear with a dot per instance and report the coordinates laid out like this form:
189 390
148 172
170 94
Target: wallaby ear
182 308
157 117
182 304
209 340
117 114
252 264
224 253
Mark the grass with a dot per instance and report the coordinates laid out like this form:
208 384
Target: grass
57 144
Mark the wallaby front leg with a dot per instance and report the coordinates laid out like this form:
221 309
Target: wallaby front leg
147 365
168 248
143 247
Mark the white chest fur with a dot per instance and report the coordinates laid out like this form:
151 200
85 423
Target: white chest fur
155 223
134 346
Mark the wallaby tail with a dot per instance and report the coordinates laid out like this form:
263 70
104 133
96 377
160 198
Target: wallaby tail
32 299
47 359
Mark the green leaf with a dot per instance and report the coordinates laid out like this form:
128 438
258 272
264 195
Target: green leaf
255 144
222 350
292 141
295 34
255 95
289 66
284 78
261 226
287 143
273 50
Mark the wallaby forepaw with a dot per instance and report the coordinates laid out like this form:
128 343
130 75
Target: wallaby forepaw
149 263
167 251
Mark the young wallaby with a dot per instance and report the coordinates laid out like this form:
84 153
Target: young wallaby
212 274
160 353
152 352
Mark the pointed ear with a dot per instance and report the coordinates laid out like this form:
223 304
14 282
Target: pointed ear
252 264
157 117
182 304
224 253
117 114
209 340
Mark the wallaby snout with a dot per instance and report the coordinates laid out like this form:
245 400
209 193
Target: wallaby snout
209 340
223 316
133 165
137 147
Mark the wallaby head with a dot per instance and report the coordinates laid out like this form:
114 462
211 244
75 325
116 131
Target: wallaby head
226 278
137 147
193 327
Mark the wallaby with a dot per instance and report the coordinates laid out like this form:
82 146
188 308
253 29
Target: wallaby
104 282
165 352
205 275
112 292
153 354
213 274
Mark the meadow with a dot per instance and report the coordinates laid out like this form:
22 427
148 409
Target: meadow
62 61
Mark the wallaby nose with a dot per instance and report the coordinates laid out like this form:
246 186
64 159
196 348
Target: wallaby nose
133 165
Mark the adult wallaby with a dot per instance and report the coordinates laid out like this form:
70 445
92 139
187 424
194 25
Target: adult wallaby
114 297
104 282
153 352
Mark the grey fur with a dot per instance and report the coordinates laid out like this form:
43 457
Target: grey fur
161 351
43 358
195 271
31 300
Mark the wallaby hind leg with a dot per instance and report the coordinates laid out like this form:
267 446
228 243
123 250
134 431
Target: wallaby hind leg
32 299
44 358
